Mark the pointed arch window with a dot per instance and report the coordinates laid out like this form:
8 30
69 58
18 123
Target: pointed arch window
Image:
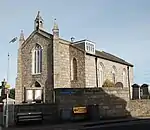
114 72
100 74
124 77
37 59
74 69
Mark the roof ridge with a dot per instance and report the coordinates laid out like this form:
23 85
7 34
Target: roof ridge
111 57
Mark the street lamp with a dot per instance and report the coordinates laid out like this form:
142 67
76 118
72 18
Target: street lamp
7 86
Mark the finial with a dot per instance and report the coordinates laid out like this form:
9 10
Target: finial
55 27
21 36
38 14
72 39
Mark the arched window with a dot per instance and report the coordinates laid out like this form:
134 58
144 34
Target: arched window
114 72
124 77
100 75
37 59
74 69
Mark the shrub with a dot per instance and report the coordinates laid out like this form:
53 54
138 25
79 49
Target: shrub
108 83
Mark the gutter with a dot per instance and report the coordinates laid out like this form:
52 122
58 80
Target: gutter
96 72
129 82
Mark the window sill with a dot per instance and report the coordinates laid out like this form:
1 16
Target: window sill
36 73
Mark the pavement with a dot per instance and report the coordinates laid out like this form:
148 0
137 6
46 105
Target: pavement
81 125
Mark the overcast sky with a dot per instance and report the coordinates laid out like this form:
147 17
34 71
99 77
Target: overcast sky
120 27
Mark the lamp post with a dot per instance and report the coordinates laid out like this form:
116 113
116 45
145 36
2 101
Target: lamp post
7 94
6 107
7 86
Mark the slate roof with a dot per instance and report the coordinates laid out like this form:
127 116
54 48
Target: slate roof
100 54
110 57
105 55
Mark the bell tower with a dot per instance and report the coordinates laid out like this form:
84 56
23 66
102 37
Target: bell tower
38 22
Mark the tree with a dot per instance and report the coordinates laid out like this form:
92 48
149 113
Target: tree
12 93
108 83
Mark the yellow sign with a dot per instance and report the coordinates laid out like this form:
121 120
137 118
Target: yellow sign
7 86
79 110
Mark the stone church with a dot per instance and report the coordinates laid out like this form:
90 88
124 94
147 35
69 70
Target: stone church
46 61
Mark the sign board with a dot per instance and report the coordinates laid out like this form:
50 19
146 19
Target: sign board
29 94
79 110
38 94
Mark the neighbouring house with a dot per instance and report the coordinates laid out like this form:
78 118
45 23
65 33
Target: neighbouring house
46 61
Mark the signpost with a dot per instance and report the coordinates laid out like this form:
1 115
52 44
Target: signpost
5 87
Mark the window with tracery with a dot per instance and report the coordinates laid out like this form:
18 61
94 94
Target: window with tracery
37 59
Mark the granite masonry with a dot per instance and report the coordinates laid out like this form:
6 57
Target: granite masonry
47 62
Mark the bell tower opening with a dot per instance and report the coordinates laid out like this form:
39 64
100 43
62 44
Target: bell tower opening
38 22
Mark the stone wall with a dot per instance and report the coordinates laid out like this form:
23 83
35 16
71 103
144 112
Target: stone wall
61 65
79 55
50 111
112 102
44 79
90 71
140 108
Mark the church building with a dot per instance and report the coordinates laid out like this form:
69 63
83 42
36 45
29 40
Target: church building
46 61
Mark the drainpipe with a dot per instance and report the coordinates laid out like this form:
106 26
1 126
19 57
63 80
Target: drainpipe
129 82
96 72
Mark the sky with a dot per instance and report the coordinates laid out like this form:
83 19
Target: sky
120 27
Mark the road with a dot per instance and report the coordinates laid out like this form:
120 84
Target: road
136 125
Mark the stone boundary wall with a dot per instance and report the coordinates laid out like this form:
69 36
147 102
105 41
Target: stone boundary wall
101 103
50 111
139 108
111 102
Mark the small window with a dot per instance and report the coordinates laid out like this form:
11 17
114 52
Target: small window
93 49
74 69
87 47
90 47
